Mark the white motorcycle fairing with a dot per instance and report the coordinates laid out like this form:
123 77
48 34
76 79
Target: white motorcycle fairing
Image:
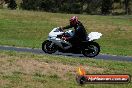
91 36
94 36
55 32
53 37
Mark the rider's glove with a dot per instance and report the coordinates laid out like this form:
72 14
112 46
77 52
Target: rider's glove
65 38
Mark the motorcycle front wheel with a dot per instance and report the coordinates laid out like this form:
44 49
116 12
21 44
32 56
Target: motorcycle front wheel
91 50
49 47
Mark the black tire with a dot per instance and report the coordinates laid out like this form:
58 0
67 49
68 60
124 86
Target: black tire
47 49
89 52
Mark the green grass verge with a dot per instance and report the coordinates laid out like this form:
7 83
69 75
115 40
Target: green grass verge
26 70
30 29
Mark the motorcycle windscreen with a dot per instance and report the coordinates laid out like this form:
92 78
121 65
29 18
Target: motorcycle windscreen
55 32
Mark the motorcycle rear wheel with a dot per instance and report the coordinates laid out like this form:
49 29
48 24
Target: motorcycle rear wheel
91 50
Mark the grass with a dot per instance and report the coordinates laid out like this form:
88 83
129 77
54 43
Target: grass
26 70
30 29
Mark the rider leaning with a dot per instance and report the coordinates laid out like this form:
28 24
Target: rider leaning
79 30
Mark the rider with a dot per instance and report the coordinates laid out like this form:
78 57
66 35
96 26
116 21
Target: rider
79 31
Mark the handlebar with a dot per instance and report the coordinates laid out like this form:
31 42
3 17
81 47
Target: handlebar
60 29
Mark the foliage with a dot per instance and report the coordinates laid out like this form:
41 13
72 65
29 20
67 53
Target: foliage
12 4
75 6
106 6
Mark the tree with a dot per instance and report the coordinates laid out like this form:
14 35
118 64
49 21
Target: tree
12 4
106 6
127 8
1 2
71 6
93 6
47 5
77 6
30 4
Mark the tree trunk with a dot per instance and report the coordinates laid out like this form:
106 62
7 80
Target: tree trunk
127 6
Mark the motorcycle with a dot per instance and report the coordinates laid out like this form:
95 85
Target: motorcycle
56 42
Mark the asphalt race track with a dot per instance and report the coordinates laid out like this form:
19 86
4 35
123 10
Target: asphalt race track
39 51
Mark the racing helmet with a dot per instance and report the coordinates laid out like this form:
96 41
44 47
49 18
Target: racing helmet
73 20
